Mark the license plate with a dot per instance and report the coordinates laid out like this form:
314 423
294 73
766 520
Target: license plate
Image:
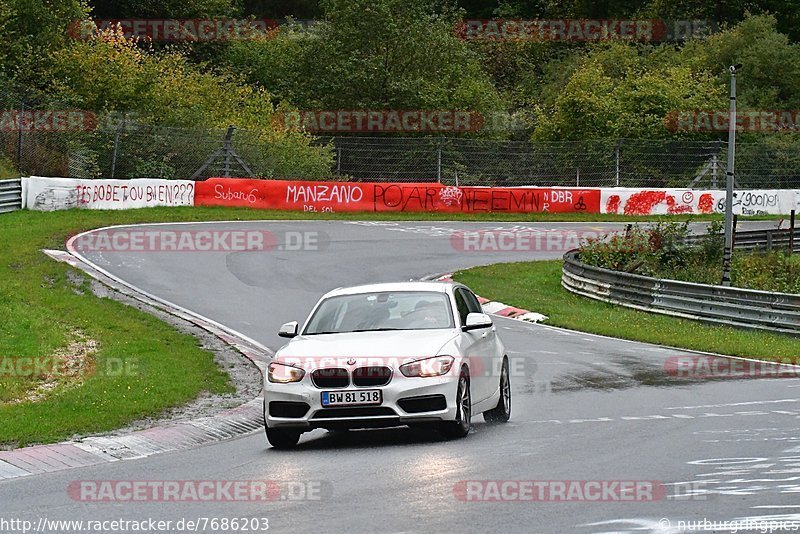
352 398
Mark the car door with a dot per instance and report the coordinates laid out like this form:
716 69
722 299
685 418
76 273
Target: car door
480 344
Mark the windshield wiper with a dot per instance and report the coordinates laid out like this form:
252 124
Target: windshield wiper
375 330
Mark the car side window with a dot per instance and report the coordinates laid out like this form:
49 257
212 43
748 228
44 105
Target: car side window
472 302
461 305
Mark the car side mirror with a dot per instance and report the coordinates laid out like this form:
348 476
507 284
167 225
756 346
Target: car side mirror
289 330
477 321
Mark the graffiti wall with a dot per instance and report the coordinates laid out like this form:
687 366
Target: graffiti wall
50 194
335 197
688 201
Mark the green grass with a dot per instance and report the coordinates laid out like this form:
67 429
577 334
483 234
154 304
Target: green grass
536 286
40 313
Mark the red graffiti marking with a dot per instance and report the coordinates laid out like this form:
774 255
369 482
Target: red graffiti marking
644 202
706 203
612 206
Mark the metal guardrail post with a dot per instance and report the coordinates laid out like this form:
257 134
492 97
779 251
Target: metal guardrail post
10 195
791 233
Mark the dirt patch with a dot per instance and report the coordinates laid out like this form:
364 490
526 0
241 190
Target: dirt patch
68 367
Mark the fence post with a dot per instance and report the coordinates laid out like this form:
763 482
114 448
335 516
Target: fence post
619 144
578 177
19 135
714 167
116 147
439 162
338 160
791 232
226 166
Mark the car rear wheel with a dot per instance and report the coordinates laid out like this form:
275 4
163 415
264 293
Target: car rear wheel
502 412
460 427
283 438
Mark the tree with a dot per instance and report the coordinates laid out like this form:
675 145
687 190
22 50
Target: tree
163 9
384 54
113 74
771 62
30 30
618 92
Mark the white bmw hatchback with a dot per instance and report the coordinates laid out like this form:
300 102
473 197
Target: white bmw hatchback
383 355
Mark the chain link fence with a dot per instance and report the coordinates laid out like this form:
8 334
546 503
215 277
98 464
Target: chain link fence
85 146
53 140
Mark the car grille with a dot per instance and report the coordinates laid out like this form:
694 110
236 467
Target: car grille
338 377
331 413
425 403
372 376
335 377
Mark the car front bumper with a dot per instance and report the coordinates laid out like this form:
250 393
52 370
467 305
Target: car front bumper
438 393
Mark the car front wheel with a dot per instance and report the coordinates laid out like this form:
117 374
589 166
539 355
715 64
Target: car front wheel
502 412
460 427
283 438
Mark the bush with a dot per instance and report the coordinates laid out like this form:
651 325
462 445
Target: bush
114 75
660 252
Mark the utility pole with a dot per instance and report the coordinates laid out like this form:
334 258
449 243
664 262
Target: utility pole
726 257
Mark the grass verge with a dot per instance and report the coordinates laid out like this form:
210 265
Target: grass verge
536 286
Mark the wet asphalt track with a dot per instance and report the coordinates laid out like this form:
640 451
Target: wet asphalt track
585 408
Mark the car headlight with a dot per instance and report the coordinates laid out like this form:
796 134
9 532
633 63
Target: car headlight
284 374
427 367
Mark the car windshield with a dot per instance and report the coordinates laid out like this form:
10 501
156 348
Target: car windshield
372 312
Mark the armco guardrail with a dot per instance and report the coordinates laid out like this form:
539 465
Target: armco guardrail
10 195
746 308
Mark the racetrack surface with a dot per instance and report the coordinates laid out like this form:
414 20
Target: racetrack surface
584 408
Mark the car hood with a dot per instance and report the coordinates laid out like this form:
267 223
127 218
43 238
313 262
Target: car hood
403 345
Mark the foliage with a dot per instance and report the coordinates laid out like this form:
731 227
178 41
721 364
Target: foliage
7 169
396 54
163 9
618 90
112 74
30 30
387 54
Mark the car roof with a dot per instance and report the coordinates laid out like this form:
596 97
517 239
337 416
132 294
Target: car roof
393 287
